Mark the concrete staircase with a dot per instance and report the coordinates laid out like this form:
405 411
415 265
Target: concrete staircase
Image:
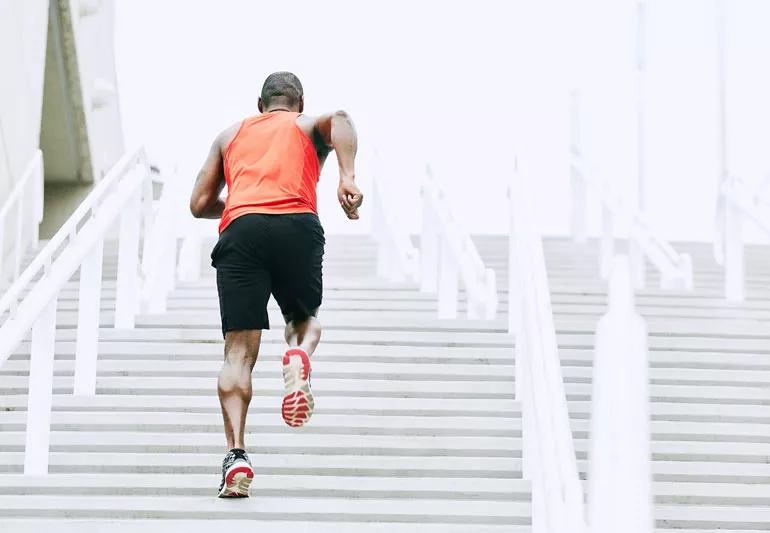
416 428
709 374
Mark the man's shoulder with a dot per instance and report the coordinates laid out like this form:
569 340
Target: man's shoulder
307 123
227 135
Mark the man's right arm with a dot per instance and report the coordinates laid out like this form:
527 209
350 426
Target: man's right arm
205 201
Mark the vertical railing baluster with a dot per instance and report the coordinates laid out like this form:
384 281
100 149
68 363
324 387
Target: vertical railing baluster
127 284
18 249
89 311
638 262
429 247
2 248
607 241
447 282
39 395
734 268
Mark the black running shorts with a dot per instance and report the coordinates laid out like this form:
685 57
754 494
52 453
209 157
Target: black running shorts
258 255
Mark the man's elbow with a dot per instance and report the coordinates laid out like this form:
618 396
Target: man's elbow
198 207
342 117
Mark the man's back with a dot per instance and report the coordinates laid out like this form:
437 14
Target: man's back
271 167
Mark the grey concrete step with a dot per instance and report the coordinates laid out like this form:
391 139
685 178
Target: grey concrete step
270 508
208 525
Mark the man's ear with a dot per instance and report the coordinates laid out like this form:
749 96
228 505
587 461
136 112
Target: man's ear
301 103
260 105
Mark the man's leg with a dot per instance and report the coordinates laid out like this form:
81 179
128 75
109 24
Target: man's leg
302 336
304 333
234 385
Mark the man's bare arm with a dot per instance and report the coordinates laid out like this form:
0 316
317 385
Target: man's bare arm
336 130
205 201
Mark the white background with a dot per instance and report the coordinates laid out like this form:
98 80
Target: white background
464 86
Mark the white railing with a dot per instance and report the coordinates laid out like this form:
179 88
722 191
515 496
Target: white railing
22 213
162 246
620 493
398 259
675 269
736 204
30 302
447 255
548 449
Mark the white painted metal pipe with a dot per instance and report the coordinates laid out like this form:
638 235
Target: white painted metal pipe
429 247
40 391
127 283
620 478
448 279
89 309
734 267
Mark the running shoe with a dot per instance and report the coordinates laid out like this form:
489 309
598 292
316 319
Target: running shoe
297 406
237 475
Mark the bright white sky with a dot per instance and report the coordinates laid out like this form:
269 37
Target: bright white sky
462 86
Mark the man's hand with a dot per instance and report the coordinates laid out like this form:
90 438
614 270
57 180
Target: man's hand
350 198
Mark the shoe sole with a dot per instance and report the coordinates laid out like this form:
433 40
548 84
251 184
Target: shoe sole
237 481
297 406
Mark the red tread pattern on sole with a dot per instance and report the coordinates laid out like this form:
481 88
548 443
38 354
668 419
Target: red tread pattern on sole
296 408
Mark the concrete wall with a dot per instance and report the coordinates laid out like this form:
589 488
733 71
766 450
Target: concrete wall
23 33
58 92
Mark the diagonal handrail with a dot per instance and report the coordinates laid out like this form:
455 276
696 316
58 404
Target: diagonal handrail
548 448
675 268
448 254
31 300
68 231
398 259
735 204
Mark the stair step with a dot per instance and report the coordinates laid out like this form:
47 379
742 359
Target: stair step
270 508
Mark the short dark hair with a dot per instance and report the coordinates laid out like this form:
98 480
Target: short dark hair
283 84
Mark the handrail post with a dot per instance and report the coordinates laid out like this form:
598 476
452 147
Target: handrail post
3 228
40 392
607 242
579 199
620 470
89 311
39 198
734 268
638 265
189 268
17 247
447 283
578 185
148 218
127 284
429 247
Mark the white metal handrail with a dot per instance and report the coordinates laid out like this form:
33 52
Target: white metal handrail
548 449
675 268
78 244
447 255
620 494
735 205
159 261
26 204
398 259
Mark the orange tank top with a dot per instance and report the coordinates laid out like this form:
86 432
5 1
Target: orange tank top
271 166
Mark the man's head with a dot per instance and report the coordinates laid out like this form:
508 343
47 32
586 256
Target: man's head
282 90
